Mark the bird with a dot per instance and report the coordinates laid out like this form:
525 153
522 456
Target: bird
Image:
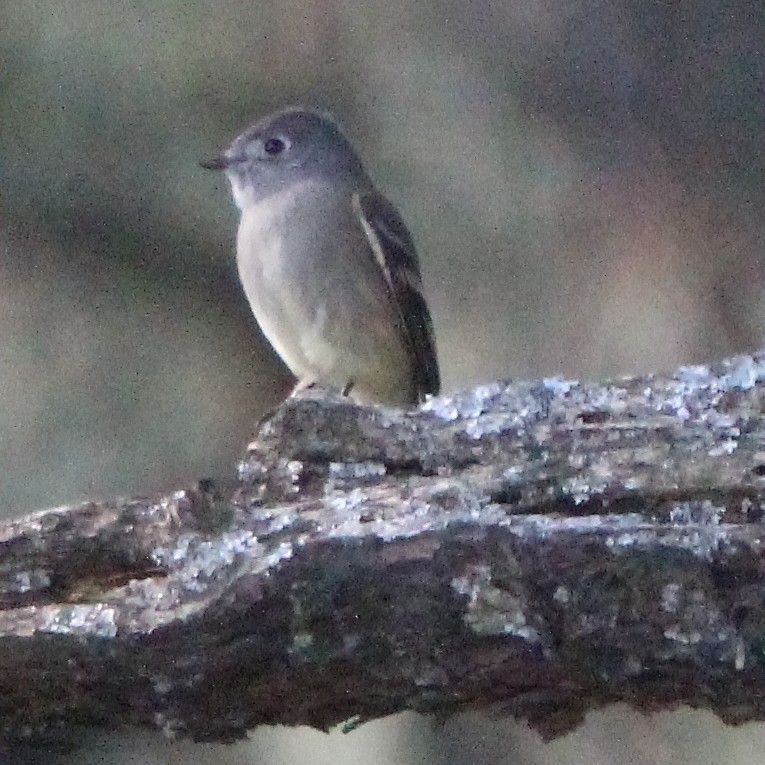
327 264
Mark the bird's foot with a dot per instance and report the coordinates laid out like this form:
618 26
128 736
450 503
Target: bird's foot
313 390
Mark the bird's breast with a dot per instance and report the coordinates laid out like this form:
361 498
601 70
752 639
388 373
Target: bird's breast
261 239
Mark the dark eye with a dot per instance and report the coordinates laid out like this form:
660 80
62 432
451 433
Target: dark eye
274 146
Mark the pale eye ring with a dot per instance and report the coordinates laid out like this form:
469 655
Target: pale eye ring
274 146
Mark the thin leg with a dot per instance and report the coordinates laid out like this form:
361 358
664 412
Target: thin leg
301 386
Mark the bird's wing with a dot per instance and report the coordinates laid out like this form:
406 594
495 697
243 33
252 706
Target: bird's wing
396 256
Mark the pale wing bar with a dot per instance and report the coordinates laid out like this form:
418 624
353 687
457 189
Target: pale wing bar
396 256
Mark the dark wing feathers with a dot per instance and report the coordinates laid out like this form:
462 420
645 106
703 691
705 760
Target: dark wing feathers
397 258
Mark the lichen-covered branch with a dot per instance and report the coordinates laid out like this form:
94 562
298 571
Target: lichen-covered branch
549 547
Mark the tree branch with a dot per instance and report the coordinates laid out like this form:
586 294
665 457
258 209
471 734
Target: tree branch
550 546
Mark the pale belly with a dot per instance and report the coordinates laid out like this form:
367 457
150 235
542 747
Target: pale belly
328 317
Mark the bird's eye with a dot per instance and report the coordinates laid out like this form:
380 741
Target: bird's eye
274 146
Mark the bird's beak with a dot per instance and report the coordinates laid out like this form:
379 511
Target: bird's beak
223 161
216 163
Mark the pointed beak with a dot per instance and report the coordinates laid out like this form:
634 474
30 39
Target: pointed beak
216 163
223 161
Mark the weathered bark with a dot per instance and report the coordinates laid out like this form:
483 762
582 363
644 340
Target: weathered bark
550 547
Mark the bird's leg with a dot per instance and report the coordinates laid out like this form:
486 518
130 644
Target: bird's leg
301 386
309 384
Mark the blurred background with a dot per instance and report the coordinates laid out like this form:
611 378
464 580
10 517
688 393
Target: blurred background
584 180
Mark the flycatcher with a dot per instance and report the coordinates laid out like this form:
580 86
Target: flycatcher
326 262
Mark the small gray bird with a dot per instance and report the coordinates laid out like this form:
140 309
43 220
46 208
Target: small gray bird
327 264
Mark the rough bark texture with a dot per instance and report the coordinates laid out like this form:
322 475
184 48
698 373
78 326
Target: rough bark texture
549 547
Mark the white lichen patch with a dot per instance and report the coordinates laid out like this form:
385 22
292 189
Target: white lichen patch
581 489
444 407
355 471
92 620
198 560
559 386
743 373
704 513
475 402
25 581
562 594
347 503
670 597
465 405
694 376
611 398
301 642
487 425
610 527
490 610
726 447
739 660
295 468
281 552
697 388
685 637
161 684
